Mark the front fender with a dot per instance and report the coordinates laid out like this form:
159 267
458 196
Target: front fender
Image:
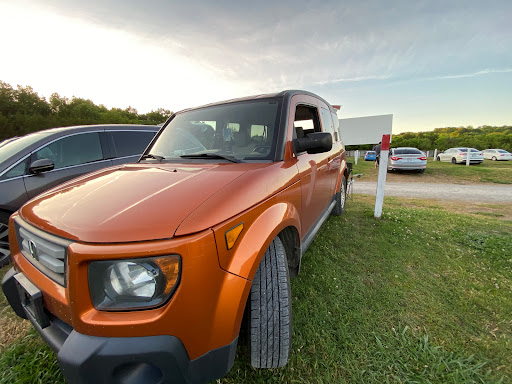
261 225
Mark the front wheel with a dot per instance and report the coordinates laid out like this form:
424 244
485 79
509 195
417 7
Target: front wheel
454 160
341 198
438 158
270 310
5 253
494 158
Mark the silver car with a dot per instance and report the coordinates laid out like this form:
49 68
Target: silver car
32 164
497 154
407 159
459 155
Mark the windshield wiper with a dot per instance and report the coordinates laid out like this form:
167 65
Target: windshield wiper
211 156
151 156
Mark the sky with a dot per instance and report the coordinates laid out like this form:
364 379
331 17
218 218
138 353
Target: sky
431 64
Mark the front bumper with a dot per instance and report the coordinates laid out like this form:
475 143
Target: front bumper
148 359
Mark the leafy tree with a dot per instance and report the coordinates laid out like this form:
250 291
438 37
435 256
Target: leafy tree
23 111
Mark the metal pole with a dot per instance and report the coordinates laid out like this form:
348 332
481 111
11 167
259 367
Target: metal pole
356 155
383 168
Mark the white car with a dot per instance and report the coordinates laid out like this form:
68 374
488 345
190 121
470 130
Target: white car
497 154
459 155
407 159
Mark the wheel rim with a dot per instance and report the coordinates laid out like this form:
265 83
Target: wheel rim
494 158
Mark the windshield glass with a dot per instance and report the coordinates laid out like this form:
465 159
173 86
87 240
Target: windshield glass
11 147
244 131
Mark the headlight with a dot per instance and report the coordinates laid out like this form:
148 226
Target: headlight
120 285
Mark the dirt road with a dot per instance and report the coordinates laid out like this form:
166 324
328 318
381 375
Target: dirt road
484 193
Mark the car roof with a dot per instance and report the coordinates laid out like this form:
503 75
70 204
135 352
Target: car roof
283 94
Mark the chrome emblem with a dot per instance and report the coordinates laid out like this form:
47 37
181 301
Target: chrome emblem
32 249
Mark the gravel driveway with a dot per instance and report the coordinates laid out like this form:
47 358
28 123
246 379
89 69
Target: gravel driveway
477 192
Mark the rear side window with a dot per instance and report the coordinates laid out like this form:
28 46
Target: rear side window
407 151
327 123
336 124
72 150
131 143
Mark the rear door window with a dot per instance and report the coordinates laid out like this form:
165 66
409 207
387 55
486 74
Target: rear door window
131 143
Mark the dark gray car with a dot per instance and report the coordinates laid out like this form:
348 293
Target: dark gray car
31 164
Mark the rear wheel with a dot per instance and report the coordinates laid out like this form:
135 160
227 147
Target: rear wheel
454 160
494 158
5 253
341 198
270 310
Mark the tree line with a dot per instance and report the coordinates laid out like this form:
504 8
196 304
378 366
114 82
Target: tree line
443 138
23 111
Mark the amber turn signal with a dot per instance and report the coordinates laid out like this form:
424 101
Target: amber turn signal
232 235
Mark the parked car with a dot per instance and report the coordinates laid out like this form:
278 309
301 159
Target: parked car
459 155
497 154
370 156
31 164
407 159
148 269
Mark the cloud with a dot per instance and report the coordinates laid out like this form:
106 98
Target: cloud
473 74
354 79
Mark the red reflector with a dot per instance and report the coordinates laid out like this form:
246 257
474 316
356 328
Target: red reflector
422 158
394 158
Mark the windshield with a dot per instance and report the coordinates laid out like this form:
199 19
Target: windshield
11 147
243 131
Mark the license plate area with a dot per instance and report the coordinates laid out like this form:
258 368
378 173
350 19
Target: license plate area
31 300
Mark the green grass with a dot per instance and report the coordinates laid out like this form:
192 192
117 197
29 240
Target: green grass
498 172
422 295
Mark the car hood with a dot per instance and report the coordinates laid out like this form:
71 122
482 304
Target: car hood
135 202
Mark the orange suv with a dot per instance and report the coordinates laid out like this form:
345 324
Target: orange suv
144 272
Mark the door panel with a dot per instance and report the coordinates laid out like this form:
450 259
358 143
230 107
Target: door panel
72 155
315 170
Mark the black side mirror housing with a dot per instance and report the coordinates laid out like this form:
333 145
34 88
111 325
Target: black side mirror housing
317 142
41 165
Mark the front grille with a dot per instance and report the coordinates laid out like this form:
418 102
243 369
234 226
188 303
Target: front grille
46 252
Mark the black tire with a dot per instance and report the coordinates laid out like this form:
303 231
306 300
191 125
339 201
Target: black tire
454 160
5 253
438 158
270 310
341 198
421 171
494 158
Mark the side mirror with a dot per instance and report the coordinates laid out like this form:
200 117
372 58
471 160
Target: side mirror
317 142
41 165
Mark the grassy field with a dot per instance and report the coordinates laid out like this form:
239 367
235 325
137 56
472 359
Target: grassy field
422 295
489 171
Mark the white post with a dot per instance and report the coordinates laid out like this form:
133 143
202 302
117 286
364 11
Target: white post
381 181
356 155
467 158
435 154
